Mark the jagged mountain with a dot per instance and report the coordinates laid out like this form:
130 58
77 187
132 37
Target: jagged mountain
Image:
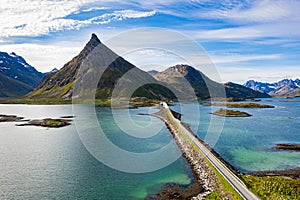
285 87
176 76
61 83
17 77
239 91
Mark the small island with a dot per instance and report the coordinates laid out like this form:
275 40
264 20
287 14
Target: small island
240 105
48 122
289 147
230 113
10 118
67 117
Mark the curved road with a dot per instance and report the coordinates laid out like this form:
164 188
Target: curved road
235 182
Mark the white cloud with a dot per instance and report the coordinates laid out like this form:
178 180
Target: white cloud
35 17
229 33
237 58
45 57
260 11
94 9
121 15
283 31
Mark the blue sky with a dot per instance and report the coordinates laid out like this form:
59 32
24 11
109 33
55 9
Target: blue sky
245 39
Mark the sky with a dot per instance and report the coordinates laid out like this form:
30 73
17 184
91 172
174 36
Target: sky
245 39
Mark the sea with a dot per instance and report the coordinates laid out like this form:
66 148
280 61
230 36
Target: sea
56 163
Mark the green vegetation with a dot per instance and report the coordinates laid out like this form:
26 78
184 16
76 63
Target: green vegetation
227 99
48 122
54 123
230 113
213 196
43 101
134 102
226 189
269 188
54 92
241 105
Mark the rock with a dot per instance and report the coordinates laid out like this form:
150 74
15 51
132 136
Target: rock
48 122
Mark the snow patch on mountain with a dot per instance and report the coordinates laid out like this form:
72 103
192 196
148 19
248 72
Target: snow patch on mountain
285 87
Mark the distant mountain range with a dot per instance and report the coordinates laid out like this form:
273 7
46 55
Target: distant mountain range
202 85
283 88
17 77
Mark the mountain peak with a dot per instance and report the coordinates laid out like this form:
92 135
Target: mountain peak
13 54
17 77
94 40
92 43
182 68
285 87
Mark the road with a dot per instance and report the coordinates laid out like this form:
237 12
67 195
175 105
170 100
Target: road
235 182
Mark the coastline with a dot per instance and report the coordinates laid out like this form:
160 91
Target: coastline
290 173
283 173
175 191
203 174
280 177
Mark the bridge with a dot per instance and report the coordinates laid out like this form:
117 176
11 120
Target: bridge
232 179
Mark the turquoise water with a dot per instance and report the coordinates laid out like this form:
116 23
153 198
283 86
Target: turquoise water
41 163
247 142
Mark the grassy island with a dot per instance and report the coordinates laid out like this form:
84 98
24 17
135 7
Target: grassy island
241 105
48 122
230 113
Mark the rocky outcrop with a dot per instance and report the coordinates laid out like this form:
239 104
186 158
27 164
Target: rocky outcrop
204 174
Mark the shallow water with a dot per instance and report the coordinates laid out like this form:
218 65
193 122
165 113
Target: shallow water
41 163
247 142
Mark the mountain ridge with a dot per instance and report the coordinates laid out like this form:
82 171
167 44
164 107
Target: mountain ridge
203 86
282 88
17 77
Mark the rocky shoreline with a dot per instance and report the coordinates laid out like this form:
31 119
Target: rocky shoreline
291 173
11 118
204 175
177 191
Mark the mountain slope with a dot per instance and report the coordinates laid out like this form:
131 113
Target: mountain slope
61 83
240 91
176 76
285 87
17 77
